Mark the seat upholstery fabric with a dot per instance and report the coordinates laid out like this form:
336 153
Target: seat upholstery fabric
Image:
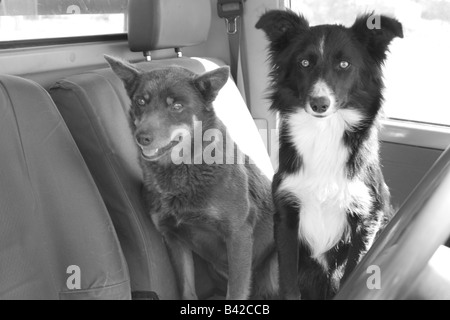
51 213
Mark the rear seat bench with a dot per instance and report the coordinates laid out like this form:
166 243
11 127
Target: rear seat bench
95 107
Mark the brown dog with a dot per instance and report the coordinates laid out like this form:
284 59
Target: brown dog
223 212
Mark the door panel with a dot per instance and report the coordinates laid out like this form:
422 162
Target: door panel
404 166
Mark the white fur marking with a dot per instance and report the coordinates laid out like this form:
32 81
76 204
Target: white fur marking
322 46
321 89
322 186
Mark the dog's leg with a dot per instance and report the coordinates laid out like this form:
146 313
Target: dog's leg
286 238
240 247
182 260
357 247
313 278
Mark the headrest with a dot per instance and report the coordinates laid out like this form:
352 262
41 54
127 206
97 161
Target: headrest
162 24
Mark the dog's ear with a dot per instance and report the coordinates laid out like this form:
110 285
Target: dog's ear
281 25
209 84
376 32
124 71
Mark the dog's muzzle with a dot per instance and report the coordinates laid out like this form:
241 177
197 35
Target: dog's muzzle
155 154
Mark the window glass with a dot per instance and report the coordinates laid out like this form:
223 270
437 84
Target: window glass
43 19
418 67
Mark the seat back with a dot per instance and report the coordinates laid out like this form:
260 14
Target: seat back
56 238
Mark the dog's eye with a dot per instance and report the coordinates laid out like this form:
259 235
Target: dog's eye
344 65
141 102
177 107
305 63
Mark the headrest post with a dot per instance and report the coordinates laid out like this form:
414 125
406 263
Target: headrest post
179 52
148 55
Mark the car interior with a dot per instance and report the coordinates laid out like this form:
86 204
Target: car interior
70 182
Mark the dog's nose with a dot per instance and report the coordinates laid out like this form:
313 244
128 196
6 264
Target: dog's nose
320 104
144 139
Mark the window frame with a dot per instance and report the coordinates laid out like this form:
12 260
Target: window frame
416 134
19 44
65 40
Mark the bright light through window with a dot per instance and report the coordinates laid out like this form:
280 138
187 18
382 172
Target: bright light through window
41 19
418 68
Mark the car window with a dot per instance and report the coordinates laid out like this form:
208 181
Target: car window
416 72
44 19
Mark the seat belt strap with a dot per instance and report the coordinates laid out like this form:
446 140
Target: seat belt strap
235 50
233 11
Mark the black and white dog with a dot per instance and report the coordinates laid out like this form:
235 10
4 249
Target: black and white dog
329 191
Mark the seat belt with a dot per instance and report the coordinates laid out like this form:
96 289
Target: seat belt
233 11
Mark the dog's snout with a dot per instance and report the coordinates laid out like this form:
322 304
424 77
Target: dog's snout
320 104
144 139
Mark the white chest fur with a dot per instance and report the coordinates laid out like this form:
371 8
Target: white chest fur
322 187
